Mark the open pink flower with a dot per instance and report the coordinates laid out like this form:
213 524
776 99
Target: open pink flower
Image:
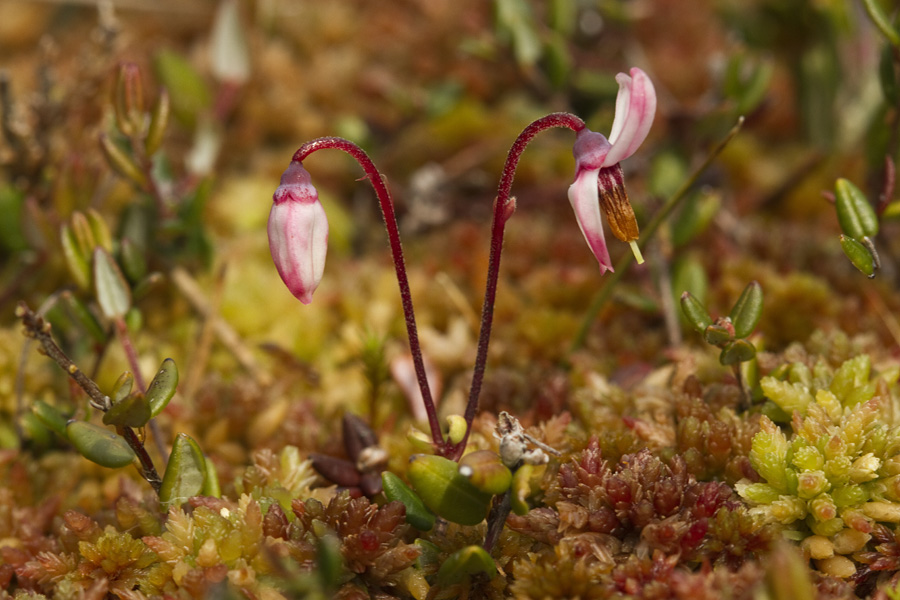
298 232
598 175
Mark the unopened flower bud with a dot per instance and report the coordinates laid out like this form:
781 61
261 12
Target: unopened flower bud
298 233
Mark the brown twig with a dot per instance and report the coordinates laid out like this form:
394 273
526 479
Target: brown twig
38 329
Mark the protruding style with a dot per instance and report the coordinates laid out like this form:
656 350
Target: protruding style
598 175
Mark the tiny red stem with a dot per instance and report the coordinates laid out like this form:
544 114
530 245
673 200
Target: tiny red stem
390 222
503 209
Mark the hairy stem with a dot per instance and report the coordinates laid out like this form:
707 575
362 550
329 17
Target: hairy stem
390 222
504 206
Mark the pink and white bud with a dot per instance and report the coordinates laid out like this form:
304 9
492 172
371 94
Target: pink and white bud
298 233
598 176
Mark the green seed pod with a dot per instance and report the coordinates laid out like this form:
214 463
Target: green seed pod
163 386
185 473
445 491
131 411
464 563
486 471
417 514
696 314
747 310
50 417
520 489
737 351
854 211
112 291
859 255
99 445
76 260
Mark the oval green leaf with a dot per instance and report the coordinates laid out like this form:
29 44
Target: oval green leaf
695 313
112 290
466 562
445 491
50 417
163 386
99 445
417 514
737 351
520 489
854 211
78 264
185 473
859 255
747 310
131 411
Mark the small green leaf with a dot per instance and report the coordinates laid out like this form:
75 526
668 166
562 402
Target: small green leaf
696 314
188 92
134 263
99 230
113 293
445 491
859 255
99 444
737 351
330 561
854 211
520 489
185 473
159 119
85 317
719 333
747 310
122 387
211 485
466 562
79 266
131 411
417 514
121 162
50 417
163 386
486 471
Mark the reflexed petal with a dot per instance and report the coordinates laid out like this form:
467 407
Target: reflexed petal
635 109
584 197
298 233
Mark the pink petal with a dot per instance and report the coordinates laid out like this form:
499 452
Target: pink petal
635 109
298 233
584 197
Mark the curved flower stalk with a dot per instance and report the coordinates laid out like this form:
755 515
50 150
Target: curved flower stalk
598 174
598 184
298 230
298 241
